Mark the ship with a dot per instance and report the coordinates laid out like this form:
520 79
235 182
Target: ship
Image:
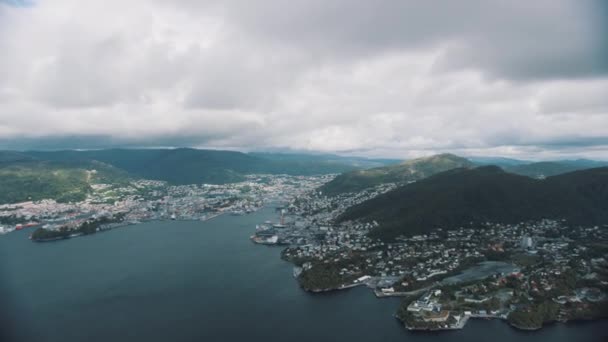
265 235
262 227
265 240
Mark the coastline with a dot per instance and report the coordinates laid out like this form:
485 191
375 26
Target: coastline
527 328
506 321
121 225
458 326
343 287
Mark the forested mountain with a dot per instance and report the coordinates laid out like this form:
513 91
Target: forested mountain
59 173
187 166
67 175
408 171
552 168
462 197
326 159
24 178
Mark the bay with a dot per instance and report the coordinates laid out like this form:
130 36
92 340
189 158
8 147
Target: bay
199 281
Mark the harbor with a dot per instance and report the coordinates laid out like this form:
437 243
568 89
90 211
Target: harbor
167 273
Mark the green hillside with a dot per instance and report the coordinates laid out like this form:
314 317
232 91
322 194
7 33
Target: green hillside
189 166
25 179
412 170
67 175
462 197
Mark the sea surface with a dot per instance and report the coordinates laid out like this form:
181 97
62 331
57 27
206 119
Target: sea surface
199 281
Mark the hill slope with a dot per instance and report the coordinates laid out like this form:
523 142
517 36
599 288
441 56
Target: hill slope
551 168
188 166
24 179
460 197
498 161
412 170
66 175
325 160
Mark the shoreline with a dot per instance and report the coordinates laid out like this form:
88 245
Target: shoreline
121 225
526 328
461 325
380 294
506 321
334 289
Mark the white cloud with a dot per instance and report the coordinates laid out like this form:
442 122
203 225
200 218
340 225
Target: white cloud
397 78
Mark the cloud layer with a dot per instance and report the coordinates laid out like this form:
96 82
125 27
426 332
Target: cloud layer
383 78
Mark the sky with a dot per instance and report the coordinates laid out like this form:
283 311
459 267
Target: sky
383 78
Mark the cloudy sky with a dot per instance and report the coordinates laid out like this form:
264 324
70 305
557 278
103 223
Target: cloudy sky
393 78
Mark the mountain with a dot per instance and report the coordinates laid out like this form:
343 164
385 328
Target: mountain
23 178
188 166
585 163
552 168
462 197
328 160
408 171
542 169
538 169
177 166
66 175
498 161
13 157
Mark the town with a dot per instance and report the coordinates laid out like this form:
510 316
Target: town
528 273
117 205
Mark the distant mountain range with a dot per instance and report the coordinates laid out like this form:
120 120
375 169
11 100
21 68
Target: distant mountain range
461 197
327 159
64 175
538 169
552 168
188 166
420 168
408 171
498 161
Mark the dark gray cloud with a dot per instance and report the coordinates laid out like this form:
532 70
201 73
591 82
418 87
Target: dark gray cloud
515 40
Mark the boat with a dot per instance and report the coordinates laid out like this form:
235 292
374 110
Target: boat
271 240
262 227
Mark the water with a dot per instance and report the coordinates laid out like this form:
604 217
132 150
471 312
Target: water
199 281
480 271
